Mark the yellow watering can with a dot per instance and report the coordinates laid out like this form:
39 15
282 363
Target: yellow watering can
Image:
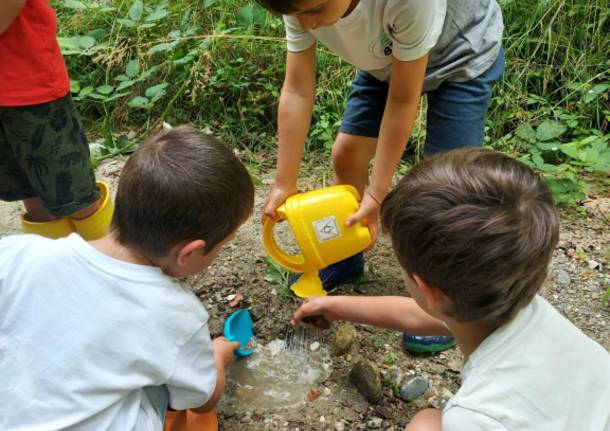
317 220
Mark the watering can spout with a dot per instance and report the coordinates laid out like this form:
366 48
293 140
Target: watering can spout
308 284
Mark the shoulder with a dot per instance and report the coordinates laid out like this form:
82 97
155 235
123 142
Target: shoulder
25 245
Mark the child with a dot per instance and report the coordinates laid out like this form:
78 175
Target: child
97 336
450 50
474 232
44 154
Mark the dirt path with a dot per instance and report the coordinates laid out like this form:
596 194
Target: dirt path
576 286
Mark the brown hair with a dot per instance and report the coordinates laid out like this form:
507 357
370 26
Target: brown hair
478 225
280 7
180 185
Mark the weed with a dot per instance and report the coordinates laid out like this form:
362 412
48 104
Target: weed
276 274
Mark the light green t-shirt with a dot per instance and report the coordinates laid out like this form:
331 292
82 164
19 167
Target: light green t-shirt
462 37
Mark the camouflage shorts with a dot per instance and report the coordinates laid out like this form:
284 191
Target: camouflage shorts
44 153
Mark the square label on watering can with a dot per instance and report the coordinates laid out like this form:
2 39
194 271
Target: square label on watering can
326 229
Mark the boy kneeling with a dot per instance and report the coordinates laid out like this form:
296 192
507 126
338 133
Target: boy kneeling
474 231
97 336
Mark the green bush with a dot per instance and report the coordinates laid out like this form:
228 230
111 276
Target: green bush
219 66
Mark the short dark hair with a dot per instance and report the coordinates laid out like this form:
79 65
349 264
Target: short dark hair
478 225
279 7
180 185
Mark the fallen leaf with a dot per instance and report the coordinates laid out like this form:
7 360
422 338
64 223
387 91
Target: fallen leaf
312 394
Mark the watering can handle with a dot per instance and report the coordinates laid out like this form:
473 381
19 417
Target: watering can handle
293 263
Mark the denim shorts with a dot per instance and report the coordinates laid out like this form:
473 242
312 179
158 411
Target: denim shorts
456 110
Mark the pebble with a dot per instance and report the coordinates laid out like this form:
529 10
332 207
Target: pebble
314 346
562 278
365 376
344 337
593 264
414 388
339 426
326 391
374 423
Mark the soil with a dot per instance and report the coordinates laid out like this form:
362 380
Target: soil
575 286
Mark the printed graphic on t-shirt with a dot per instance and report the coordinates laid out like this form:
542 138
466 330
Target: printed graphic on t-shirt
381 47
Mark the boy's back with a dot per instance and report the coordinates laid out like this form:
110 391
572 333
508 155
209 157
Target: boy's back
82 333
537 372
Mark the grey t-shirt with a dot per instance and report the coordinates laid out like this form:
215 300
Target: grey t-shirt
462 37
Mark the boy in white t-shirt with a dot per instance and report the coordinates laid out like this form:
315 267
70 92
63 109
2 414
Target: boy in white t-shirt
474 231
98 335
450 50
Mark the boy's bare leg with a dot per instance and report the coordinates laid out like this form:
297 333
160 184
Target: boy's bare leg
351 156
37 212
425 420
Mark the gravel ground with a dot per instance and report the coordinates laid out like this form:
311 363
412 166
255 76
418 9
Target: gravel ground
578 279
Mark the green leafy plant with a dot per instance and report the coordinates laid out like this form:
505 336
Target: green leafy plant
276 274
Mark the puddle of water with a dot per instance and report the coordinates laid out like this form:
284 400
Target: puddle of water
279 374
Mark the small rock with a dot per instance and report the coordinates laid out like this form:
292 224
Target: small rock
374 423
593 264
414 388
365 376
314 346
247 417
326 392
344 338
562 278
339 426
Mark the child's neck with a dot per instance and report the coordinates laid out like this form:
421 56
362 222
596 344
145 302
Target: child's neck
469 335
109 246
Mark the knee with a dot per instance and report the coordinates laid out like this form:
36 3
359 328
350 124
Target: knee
351 151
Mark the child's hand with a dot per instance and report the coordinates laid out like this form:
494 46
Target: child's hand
369 213
315 306
224 350
277 197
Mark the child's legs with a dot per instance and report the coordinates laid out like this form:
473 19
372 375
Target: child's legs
351 157
49 166
357 139
457 111
425 420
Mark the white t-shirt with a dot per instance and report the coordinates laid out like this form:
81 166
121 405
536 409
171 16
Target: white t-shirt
463 37
82 333
537 373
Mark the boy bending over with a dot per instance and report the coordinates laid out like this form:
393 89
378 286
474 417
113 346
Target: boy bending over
97 335
474 231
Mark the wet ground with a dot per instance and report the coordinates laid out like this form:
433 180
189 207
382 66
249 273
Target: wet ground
578 279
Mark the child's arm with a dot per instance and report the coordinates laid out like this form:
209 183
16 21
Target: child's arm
9 9
401 107
390 312
224 353
294 118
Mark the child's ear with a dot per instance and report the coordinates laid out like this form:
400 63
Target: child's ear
189 247
434 297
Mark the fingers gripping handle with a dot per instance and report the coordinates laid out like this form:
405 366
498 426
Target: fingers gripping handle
293 263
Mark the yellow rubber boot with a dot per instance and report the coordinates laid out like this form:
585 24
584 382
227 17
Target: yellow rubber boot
51 229
96 225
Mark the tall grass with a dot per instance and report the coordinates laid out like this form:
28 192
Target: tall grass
221 66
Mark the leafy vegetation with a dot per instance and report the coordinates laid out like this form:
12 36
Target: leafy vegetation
219 66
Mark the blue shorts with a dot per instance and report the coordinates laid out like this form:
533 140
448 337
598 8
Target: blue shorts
456 110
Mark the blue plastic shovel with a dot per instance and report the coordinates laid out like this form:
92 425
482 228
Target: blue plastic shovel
238 327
